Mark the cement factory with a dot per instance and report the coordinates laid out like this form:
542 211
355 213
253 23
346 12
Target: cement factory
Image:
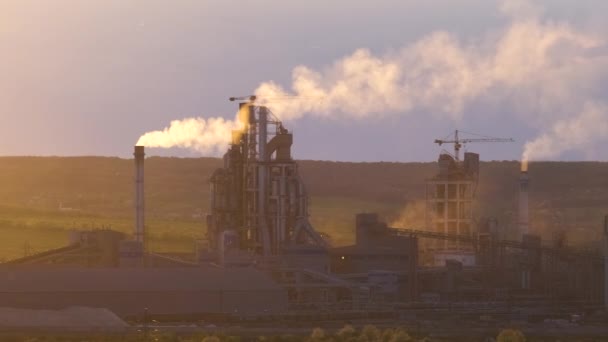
263 259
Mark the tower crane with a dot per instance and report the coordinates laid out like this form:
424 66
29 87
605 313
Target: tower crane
250 98
254 98
458 142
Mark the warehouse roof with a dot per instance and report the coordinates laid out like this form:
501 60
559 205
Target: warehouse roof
369 250
134 279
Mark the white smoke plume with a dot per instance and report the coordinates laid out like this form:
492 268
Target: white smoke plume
582 131
544 69
521 9
441 74
206 136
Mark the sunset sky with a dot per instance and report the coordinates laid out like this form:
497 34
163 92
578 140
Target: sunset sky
90 77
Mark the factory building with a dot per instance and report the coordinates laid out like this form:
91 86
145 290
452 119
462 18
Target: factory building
128 292
262 257
259 204
379 256
450 199
99 248
376 248
105 269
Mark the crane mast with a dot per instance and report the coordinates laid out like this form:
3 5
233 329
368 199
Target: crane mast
458 142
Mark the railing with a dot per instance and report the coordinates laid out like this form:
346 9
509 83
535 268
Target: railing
475 241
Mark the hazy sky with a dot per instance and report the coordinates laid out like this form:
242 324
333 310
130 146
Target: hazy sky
89 77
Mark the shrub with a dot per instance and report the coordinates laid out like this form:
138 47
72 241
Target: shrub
510 335
317 334
346 332
370 333
400 335
211 339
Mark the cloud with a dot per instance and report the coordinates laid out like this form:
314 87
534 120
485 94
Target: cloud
545 71
530 60
584 131
521 9
207 136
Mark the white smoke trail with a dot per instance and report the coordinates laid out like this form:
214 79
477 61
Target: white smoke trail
206 136
582 131
440 74
543 68
521 9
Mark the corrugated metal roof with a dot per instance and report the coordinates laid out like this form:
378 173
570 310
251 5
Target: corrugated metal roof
368 250
140 280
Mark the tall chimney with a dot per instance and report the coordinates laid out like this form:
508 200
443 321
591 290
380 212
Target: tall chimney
139 195
262 179
523 215
606 262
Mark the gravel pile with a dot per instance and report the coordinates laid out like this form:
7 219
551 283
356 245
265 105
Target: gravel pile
73 318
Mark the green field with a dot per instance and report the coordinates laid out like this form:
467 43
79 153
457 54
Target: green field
27 231
43 198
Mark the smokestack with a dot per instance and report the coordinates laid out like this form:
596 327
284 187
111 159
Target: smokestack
523 216
606 262
139 194
262 177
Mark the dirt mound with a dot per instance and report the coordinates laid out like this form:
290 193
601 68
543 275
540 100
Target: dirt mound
73 318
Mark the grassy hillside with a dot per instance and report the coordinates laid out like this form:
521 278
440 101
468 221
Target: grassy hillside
42 198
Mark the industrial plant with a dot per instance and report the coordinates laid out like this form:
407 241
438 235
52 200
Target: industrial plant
263 259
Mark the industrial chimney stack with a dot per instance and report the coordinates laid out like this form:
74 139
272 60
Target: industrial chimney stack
263 178
139 195
523 216
606 263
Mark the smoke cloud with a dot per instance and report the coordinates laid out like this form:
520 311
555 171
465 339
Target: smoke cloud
413 216
207 136
440 73
582 131
545 70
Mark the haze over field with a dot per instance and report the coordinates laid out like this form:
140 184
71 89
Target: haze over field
43 198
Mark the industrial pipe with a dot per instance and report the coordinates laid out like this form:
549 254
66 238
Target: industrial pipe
523 212
606 263
139 195
263 178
